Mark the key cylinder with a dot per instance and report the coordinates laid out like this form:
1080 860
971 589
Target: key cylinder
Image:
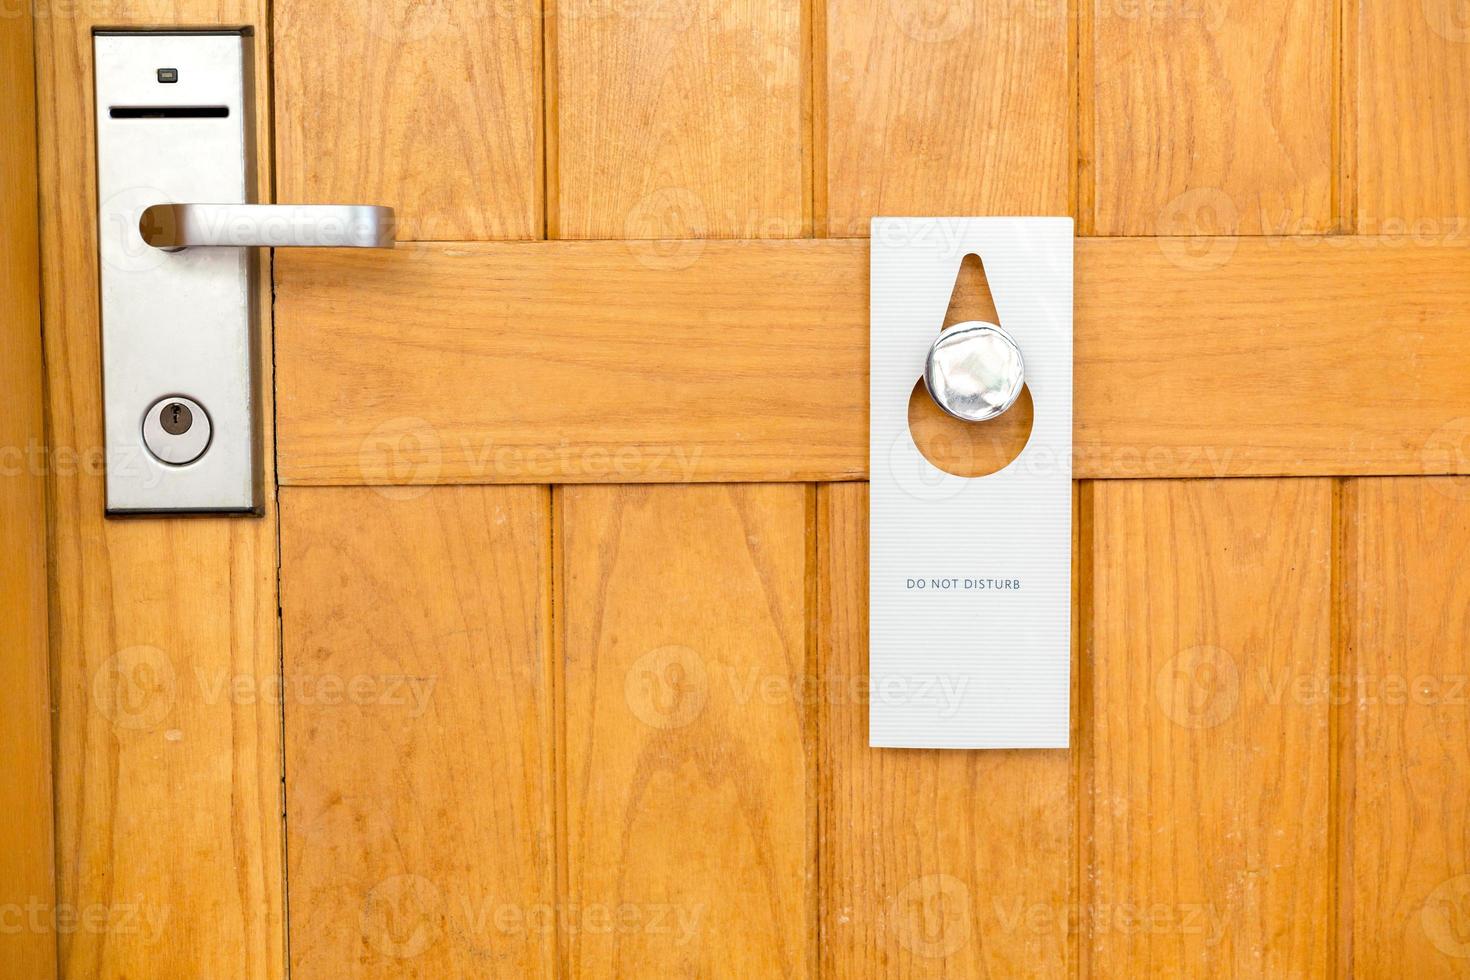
176 430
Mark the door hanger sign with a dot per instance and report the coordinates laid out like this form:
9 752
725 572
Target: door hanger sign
970 579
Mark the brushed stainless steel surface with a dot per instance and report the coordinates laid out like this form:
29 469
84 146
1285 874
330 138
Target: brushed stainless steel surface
974 371
175 323
174 226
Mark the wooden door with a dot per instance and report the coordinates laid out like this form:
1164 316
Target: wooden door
547 657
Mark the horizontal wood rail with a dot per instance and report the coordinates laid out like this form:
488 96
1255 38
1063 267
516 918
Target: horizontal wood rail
720 360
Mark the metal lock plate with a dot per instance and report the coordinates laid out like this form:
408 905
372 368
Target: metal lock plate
178 327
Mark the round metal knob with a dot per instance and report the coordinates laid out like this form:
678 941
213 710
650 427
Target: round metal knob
974 371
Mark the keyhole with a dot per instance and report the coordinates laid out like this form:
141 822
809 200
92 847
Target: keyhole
176 418
176 430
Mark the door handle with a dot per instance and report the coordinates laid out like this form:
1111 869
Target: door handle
175 226
178 287
975 371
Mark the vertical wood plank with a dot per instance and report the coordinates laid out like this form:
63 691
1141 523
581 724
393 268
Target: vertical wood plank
933 863
1210 117
681 119
1407 599
418 731
1210 668
951 107
27 853
688 846
1413 123
1345 99
432 108
168 778
682 621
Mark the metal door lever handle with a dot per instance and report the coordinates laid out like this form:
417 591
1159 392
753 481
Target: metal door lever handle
175 226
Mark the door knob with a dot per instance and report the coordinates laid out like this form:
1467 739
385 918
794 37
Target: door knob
176 226
974 371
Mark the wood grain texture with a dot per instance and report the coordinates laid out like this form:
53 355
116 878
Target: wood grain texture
1208 771
933 863
418 732
689 765
431 108
1413 119
27 854
1209 117
168 782
582 362
681 119
1407 882
947 107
